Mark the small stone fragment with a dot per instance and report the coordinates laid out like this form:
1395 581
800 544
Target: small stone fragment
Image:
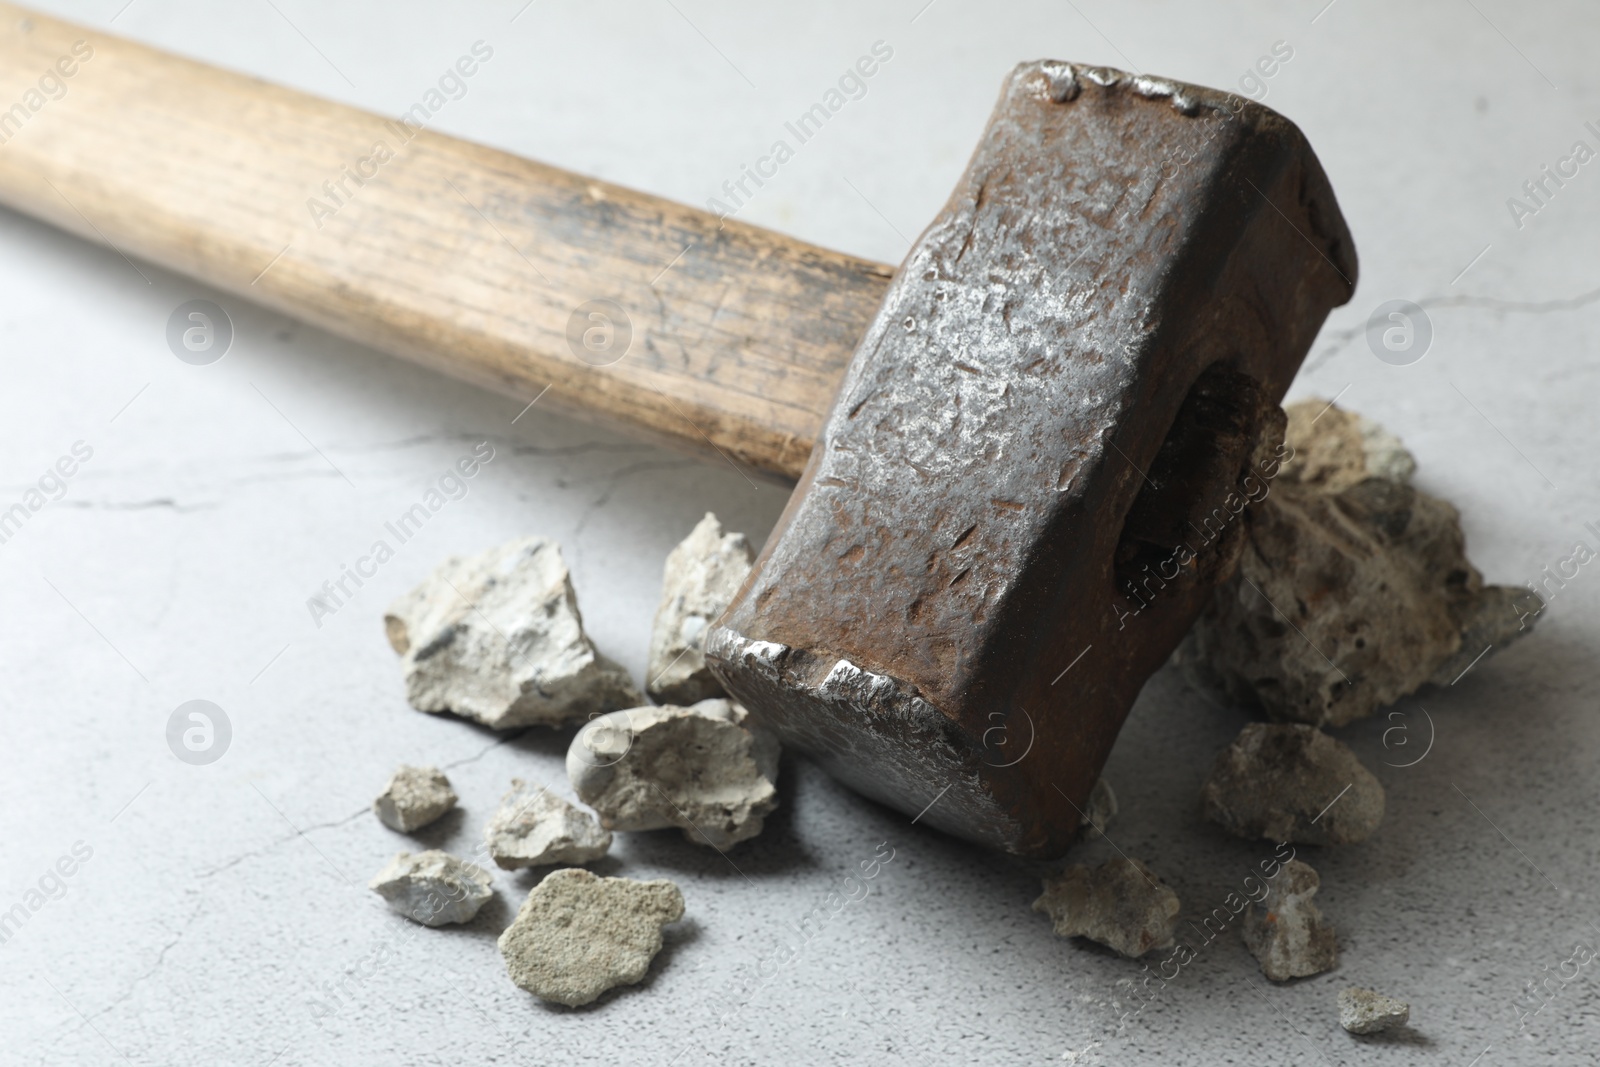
1497 616
706 769
534 827
702 574
1286 933
414 797
497 638
1120 904
433 887
1099 811
578 935
1353 589
1292 782
1363 1011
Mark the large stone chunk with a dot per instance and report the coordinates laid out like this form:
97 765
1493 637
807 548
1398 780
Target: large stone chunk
497 638
1120 904
414 797
706 769
702 574
433 887
1354 588
578 935
534 827
1286 933
1292 782
1364 1011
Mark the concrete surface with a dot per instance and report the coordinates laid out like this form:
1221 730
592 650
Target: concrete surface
220 917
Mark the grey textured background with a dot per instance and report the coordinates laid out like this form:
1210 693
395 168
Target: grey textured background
222 903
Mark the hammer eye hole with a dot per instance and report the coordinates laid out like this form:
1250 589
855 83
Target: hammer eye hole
1187 522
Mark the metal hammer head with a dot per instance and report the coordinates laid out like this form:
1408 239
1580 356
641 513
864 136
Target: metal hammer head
1034 471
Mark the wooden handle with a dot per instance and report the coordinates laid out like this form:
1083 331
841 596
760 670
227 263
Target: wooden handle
463 258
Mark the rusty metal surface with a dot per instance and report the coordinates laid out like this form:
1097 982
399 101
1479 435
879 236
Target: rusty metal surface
1022 494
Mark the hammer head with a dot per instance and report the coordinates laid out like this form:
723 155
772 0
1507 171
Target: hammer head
1036 465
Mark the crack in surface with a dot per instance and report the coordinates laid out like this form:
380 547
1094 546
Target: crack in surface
1340 339
264 849
138 505
506 740
338 822
587 447
614 479
161 957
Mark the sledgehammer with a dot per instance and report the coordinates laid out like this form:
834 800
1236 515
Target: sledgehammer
995 443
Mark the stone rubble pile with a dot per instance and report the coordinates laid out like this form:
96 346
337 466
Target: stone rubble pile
497 638
1353 591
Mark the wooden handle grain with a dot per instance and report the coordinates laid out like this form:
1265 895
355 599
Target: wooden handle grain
460 257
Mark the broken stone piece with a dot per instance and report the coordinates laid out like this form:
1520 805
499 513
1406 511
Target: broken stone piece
1292 782
1363 1011
1286 933
534 827
578 935
1099 810
706 769
702 574
497 638
414 797
433 887
1353 589
1497 616
1335 449
1120 904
